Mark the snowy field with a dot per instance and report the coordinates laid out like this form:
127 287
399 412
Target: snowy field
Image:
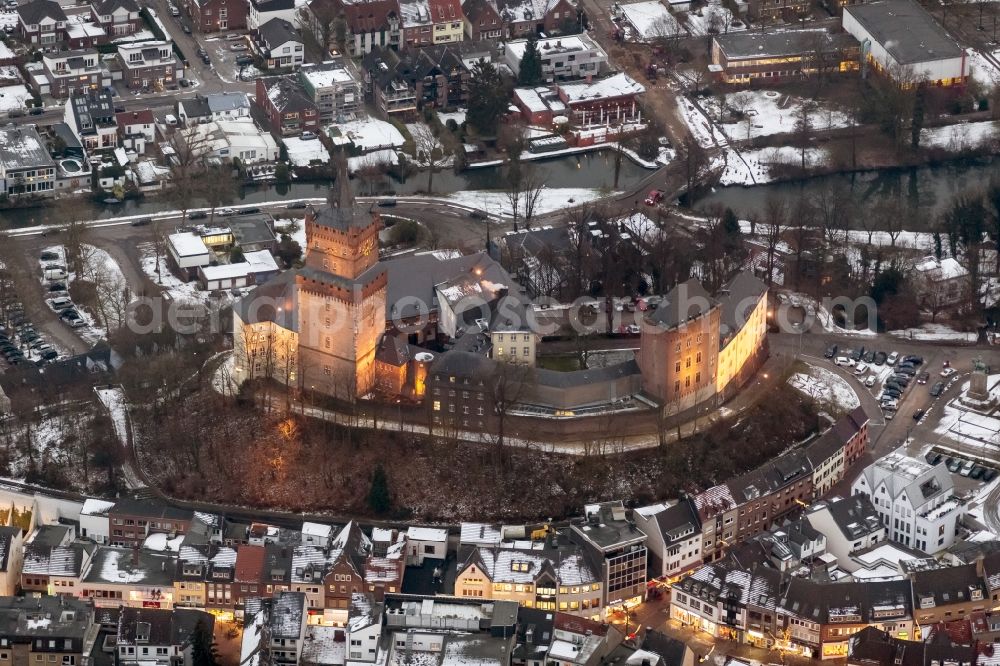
371 134
175 288
755 165
769 112
963 136
114 401
303 153
650 19
826 387
13 97
935 332
551 199
458 116
714 19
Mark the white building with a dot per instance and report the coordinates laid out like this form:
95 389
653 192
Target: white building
214 106
570 57
316 534
188 251
26 168
849 524
94 520
262 11
913 499
279 44
256 268
334 89
232 139
942 283
424 542
673 536
900 38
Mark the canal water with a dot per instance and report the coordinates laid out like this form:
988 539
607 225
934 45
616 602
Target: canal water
928 188
587 170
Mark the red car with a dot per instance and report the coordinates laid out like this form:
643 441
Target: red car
654 197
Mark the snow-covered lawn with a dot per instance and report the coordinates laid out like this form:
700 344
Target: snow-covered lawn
551 199
754 167
962 136
972 429
703 131
935 332
371 134
982 70
176 288
303 153
8 19
826 387
13 97
769 112
714 19
377 158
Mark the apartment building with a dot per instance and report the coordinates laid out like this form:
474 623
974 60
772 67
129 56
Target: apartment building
674 536
67 72
47 630
149 65
618 548
334 89
130 521
26 167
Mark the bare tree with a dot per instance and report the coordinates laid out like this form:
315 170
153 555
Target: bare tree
187 147
776 213
532 186
803 130
506 385
429 151
217 186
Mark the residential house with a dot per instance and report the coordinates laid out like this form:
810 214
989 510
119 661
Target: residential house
262 11
511 19
215 15
83 31
850 524
149 65
483 20
286 105
132 520
26 167
136 130
249 571
426 22
619 549
364 629
219 580
129 577
279 45
91 116
334 89
47 630
611 101
837 450
213 106
53 564
156 636
190 578
914 499
392 93
386 567
41 22
673 536
67 72
232 139
118 18
11 559
317 534
940 283
770 492
563 58
949 593
544 575
276 626
367 23
433 76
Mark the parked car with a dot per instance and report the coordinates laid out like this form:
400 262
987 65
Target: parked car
923 377
977 472
197 215
892 358
201 52
909 372
870 382
654 197
477 214
296 205
953 464
184 83
916 360
244 60
880 358
57 286
238 46
861 368
857 354
966 468
919 414
225 212
247 211
831 351
142 221
386 203
869 356
843 360
48 256
948 372
989 474
932 457
205 59
233 37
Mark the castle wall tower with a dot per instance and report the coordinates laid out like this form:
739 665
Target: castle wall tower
341 297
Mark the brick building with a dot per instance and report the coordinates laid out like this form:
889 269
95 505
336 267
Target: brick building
130 521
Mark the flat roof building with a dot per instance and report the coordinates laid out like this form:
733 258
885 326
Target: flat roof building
743 57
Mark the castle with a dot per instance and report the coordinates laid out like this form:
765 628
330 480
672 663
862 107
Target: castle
349 325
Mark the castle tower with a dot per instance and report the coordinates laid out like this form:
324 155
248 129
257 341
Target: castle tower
341 296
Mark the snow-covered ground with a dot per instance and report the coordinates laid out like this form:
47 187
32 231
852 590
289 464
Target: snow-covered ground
769 112
13 97
458 116
8 19
650 19
114 401
713 19
550 200
826 387
971 429
935 332
982 70
704 132
371 134
303 153
963 136
754 167
176 288
376 158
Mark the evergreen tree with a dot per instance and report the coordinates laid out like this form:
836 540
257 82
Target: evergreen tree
530 72
938 250
202 646
487 98
378 494
730 223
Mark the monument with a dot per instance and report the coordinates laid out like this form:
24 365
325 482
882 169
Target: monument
978 396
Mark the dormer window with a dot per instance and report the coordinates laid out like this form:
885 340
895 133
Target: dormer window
142 632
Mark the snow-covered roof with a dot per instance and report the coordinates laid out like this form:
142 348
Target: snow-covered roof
427 534
326 77
616 85
939 271
255 262
650 19
95 507
160 543
317 530
187 244
21 147
531 100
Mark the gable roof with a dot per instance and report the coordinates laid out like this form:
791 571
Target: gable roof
278 31
107 7
33 12
687 300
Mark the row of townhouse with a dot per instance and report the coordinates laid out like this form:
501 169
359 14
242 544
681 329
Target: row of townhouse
371 24
744 599
699 528
450 631
46 24
139 65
